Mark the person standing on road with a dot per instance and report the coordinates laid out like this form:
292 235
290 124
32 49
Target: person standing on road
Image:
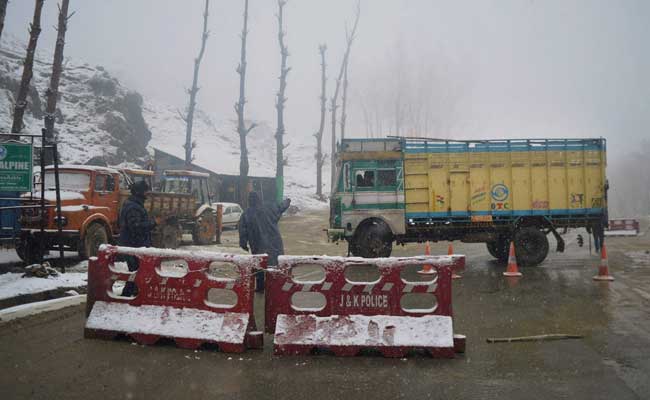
135 228
258 228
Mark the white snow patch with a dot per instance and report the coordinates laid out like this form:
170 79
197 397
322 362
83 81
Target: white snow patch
25 310
50 195
13 284
622 233
363 330
187 323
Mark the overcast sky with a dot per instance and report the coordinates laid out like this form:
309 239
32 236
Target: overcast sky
551 68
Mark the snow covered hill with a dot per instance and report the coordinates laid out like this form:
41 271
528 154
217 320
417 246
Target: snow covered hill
97 118
100 121
217 149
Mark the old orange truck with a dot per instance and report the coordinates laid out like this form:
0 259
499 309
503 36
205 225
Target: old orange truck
90 204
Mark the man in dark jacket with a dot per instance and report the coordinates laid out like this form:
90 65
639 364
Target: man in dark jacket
135 228
258 227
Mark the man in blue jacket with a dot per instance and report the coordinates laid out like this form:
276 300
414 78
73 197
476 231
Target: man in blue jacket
135 228
258 227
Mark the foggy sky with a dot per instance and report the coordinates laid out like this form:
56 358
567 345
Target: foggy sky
553 68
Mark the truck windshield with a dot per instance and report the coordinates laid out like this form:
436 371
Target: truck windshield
177 184
74 181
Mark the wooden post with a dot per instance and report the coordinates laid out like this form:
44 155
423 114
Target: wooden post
219 222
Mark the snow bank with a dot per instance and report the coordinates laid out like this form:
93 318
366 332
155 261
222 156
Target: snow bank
13 284
186 323
362 330
39 307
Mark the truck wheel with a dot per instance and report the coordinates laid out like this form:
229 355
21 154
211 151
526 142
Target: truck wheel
205 228
499 248
95 236
27 249
169 237
372 240
531 246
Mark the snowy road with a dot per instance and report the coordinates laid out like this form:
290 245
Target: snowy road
46 356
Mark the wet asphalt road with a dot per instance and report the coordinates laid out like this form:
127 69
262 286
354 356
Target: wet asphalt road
46 357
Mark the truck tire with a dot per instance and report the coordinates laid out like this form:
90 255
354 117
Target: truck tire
95 236
205 228
27 249
373 239
531 246
169 236
499 248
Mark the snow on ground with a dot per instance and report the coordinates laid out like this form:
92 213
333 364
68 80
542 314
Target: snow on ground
13 284
25 310
217 149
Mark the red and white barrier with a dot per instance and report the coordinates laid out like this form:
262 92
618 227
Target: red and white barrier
173 298
358 315
623 227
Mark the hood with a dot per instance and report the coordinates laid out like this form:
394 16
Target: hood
50 195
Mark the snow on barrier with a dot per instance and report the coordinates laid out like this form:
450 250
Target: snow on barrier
623 227
190 297
348 304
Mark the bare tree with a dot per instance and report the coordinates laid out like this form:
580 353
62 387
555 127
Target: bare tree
344 103
3 14
21 97
52 93
350 35
279 105
242 129
320 157
420 98
189 118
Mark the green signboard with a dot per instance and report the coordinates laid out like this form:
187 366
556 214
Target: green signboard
15 167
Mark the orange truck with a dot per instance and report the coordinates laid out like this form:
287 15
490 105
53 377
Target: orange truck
91 198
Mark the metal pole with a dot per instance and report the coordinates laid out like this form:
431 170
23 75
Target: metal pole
57 187
41 250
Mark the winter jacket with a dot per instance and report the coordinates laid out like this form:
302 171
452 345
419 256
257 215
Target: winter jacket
258 227
135 225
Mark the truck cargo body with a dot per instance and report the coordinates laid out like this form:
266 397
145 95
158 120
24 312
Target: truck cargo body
475 191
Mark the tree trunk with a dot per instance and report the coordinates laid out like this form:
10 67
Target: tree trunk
279 105
189 119
21 97
344 102
320 157
3 14
241 123
333 104
52 93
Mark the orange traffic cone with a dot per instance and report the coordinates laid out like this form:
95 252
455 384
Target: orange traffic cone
603 269
512 269
427 269
450 252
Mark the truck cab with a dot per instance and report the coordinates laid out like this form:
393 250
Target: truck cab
368 200
90 198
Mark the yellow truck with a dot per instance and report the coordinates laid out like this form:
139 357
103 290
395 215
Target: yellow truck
484 191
